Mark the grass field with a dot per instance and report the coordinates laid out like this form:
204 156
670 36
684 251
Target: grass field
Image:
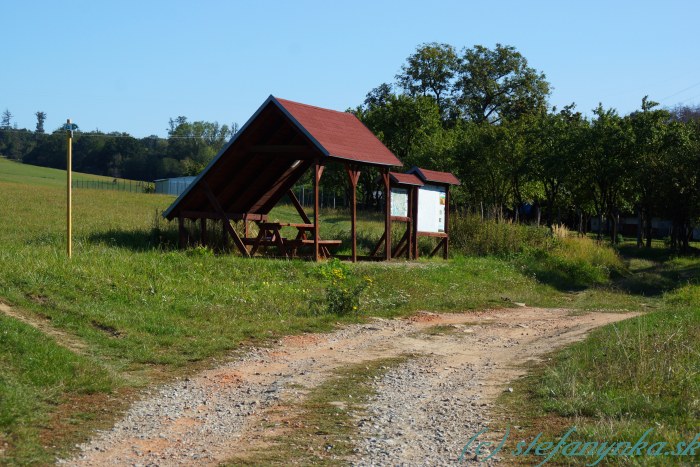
133 311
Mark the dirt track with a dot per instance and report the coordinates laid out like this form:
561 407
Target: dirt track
217 414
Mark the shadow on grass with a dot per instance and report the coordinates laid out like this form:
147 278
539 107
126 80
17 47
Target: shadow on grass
135 240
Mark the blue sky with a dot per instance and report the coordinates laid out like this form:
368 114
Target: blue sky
131 65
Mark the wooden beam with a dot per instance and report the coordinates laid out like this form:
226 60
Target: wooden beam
203 231
445 250
227 223
439 245
414 215
234 216
182 233
354 176
378 245
401 245
387 214
318 171
280 148
298 207
432 234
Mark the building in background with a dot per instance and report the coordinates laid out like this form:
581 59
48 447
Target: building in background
173 186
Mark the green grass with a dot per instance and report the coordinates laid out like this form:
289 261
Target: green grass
147 312
36 376
626 378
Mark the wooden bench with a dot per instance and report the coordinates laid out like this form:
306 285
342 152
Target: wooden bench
270 235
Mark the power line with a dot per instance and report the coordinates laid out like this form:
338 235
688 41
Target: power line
681 91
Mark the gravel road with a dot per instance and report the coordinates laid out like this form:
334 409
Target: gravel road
423 414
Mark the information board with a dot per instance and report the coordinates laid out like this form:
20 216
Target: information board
431 209
399 202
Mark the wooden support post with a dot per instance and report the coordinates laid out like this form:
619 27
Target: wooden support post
414 217
440 244
182 233
387 214
318 171
69 191
445 248
227 222
298 207
203 234
224 234
354 176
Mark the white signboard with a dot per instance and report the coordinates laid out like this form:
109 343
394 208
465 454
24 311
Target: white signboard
399 202
431 209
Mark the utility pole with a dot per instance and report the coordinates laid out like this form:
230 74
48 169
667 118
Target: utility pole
69 127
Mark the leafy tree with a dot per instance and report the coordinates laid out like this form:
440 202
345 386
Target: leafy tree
553 142
405 124
607 167
681 180
6 122
650 131
498 84
40 119
430 72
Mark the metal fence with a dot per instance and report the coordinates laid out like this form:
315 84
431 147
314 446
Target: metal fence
134 186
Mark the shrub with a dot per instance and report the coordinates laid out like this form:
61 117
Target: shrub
472 235
343 290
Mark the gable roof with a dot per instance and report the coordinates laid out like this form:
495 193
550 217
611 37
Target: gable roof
433 176
272 151
341 134
405 179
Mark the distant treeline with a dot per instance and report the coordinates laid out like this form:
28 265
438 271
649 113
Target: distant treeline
480 113
186 151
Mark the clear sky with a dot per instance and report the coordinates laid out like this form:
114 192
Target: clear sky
131 65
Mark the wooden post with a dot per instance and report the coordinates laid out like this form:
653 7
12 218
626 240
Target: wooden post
354 176
227 222
203 236
181 232
387 216
318 171
445 248
69 191
414 215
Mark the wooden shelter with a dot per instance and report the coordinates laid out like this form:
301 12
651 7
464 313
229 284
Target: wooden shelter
261 163
433 183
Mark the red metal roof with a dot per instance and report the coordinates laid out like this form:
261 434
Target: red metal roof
340 134
433 176
405 179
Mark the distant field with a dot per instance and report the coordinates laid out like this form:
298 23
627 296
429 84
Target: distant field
16 172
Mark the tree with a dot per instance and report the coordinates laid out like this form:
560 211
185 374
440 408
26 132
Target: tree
607 166
6 122
498 84
553 143
650 128
681 181
405 124
194 144
430 72
40 119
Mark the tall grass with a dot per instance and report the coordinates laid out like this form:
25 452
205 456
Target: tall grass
552 255
471 235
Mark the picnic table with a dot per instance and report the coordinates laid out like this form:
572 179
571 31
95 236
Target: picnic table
270 235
